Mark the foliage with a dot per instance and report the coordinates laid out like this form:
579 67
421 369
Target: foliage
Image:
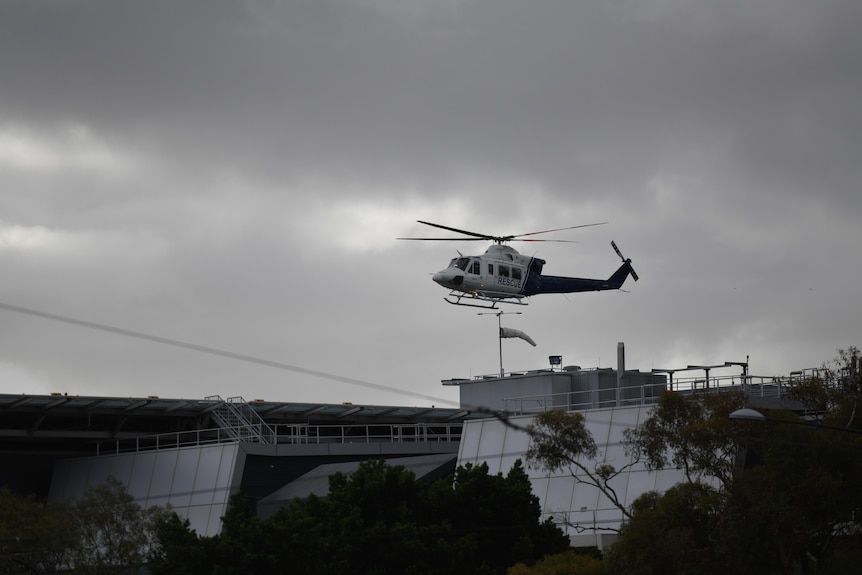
803 490
33 533
177 540
792 508
378 520
567 563
103 532
500 512
690 432
112 531
835 391
670 533
560 441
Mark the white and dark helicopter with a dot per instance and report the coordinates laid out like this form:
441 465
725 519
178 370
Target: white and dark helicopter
502 274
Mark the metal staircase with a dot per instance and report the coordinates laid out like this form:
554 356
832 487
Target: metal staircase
235 416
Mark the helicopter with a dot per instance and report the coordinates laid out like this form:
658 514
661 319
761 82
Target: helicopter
502 275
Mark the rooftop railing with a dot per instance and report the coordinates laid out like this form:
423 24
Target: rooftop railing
758 386
288 434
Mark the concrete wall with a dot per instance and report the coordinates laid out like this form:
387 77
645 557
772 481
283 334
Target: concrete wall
492 392
576 390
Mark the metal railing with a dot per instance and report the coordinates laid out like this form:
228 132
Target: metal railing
173 440
288 434
304 434
237 415
758 386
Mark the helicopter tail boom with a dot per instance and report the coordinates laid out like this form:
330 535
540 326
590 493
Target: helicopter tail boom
556 284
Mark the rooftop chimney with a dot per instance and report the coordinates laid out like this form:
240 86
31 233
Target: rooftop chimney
621 366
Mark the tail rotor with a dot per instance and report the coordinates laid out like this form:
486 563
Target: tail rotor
625 261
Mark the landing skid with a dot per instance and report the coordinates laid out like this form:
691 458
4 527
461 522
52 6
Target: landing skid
489 302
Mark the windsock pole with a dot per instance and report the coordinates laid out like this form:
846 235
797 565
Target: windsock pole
507 332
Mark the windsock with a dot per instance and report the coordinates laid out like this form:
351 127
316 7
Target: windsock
509 332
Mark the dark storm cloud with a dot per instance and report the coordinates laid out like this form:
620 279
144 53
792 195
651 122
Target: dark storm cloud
599 93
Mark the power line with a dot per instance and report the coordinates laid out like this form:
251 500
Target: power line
219 352
502 415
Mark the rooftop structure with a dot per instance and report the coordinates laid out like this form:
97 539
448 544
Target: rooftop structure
194 453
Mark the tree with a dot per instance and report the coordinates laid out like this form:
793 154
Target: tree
103 532
669 533
835 390
560 441
500 514
34 533
113 533
180 551
691 432
801 487
569 562
380 520
791 508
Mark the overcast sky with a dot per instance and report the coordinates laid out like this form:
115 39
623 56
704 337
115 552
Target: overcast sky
233 174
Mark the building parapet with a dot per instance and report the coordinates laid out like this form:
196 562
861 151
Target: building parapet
775 388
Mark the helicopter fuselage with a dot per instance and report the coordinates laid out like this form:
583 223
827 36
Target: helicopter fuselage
502 274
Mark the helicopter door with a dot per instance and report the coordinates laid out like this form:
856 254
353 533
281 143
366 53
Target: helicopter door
509 276
474 268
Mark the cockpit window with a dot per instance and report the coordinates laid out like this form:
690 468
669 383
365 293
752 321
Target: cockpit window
461 263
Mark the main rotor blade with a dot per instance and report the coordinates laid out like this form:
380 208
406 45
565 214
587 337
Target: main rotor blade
474 236
556 241
465 232
557 230
477 239
451 239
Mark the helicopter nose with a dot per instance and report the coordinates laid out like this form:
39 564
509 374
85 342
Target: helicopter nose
448 278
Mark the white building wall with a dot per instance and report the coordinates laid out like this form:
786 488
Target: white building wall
195 481
583 511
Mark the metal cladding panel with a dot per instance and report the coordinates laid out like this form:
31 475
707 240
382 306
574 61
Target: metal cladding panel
561 496
468 449
206 479
516 443
540 487
196 481
199 519
492 445
184 478
641 482
143 465
122 469
72 485
162 478
586 497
